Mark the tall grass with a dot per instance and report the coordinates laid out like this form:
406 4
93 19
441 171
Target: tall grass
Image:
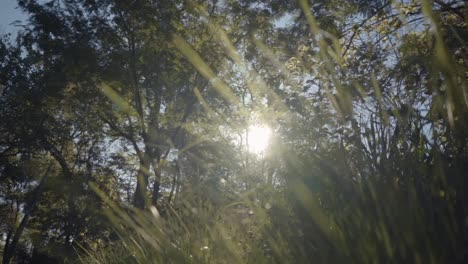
341 205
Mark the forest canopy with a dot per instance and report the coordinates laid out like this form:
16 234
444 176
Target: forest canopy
221 131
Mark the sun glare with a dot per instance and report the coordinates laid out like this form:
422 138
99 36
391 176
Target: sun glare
258 138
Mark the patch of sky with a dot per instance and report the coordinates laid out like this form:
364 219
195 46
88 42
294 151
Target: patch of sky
10 15
285 20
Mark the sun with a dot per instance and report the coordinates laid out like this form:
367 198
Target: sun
258 138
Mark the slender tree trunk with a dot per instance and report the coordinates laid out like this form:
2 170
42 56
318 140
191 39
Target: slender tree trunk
10 246
175 180
6 247
68 175
157 181
10 250
141 200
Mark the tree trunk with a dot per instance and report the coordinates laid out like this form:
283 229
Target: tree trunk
6 248
10 246
141 200
10 250
157 182
175 181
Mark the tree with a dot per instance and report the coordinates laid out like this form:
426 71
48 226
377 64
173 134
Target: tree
125 133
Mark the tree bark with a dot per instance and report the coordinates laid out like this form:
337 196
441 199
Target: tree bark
157 182
141 198
10 246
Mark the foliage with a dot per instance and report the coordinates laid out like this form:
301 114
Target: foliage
124 133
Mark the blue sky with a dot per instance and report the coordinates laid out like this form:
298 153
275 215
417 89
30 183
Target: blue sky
9 13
